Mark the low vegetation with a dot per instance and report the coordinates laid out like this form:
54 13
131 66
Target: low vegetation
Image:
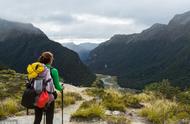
89 111
9 107
114 99
94 109
106 99
170 105
121 119
12 86
159 102
69 98
145 97
95 92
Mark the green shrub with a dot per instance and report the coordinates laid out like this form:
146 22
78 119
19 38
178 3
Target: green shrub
98 84
183 97
163 88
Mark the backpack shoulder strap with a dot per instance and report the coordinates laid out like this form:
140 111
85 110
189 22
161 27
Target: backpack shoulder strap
51 68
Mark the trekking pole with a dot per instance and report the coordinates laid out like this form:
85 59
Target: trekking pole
62 105
27 112
44 117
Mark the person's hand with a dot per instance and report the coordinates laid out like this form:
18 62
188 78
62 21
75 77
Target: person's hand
62 84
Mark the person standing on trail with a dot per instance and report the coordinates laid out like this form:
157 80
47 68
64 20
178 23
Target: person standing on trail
47 59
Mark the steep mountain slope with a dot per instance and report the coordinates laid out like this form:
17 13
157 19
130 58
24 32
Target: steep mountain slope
21 44
162 51
82 49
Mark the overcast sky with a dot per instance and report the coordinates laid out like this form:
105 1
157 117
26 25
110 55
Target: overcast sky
91 20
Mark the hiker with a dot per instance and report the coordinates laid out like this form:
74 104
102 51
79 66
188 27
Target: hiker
47 59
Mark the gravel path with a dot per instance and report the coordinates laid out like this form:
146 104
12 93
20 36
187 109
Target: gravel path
135 118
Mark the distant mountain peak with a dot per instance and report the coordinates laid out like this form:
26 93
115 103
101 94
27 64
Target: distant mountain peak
155 27
82 49
181 19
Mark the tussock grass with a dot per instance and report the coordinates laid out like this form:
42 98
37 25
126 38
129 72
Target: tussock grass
116 100
131 101
68 99
87 104
113 100
94 109
12 85
9 107
164 111
145 96
95 92
77 96
89 111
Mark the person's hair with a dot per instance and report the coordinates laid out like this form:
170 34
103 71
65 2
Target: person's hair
46 57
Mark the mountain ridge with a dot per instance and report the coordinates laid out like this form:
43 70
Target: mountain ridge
22 47
156 53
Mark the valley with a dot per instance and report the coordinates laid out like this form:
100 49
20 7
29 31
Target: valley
139 78
156 53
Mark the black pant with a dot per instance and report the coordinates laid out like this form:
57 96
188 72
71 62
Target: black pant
49 114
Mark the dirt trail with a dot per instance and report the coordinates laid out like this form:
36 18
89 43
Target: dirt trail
135 118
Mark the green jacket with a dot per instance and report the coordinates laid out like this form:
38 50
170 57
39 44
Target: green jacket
55 76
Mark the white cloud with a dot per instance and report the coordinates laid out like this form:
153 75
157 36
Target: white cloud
49 27
77 41
91 19
103 19
90 27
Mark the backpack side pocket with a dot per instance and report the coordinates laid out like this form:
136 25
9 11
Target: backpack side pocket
38 85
